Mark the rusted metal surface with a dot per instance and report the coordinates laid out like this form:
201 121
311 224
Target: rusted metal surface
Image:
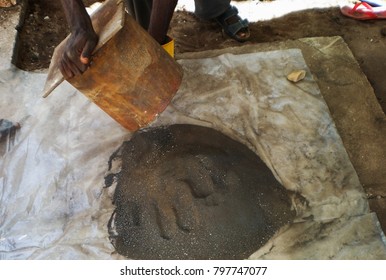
131 78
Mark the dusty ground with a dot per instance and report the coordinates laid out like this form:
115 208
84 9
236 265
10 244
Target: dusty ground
45 27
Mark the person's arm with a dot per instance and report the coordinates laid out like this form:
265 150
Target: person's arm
82 41
161 15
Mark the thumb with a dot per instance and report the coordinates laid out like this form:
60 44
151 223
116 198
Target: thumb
85 57
84 60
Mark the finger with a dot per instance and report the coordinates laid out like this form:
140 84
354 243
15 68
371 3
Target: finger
66 64
72 67
77 70
66 72
84 60
85 57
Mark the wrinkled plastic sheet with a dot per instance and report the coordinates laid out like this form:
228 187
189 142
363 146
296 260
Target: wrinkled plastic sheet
54 206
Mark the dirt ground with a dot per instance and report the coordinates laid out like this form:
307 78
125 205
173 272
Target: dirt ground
45 27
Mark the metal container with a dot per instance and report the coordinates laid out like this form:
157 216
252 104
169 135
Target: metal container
132 78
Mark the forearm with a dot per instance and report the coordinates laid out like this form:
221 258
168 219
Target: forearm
161 15
76 15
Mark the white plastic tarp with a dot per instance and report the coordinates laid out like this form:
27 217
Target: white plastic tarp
53 205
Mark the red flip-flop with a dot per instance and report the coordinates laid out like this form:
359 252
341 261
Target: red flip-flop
363 11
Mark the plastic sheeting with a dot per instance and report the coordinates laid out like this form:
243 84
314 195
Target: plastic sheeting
51 180
53 202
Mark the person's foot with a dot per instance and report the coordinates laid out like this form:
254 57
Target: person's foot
233 25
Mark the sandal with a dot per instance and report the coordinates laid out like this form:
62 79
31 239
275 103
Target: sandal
233 25
364 11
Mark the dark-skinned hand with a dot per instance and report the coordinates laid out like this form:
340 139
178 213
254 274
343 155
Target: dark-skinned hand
77 53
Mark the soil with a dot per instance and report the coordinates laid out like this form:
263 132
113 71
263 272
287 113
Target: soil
45 27
190 185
